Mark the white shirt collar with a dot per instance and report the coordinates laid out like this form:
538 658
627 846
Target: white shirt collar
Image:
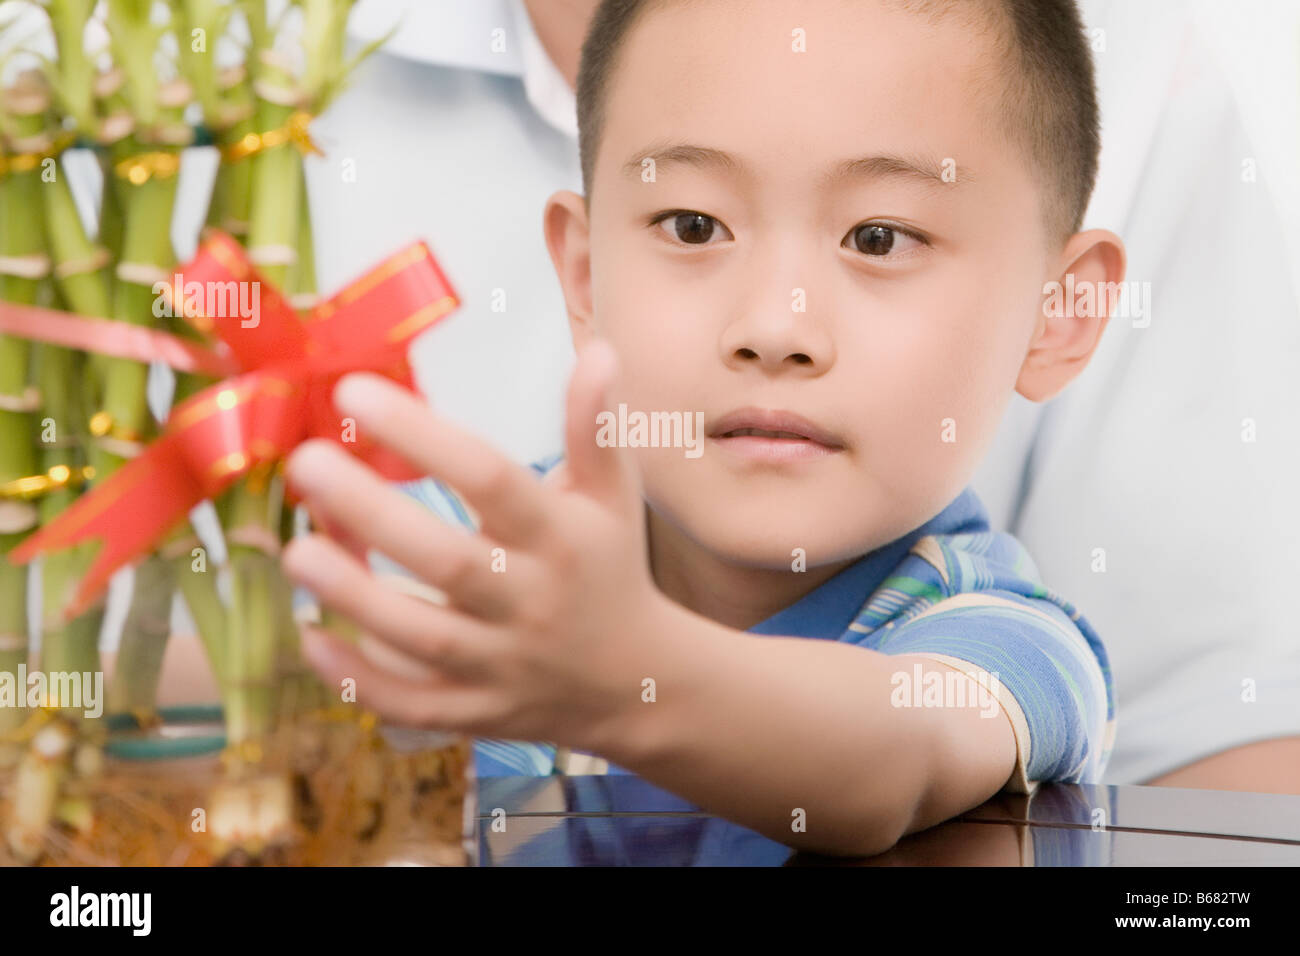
459 33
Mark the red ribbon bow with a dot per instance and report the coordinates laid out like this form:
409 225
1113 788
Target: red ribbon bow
289 367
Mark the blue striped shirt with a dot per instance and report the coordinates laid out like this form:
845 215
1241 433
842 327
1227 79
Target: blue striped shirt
952 591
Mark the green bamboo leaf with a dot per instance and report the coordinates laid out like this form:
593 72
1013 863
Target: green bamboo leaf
340 82
259 32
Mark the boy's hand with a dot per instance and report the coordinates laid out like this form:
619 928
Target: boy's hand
541 633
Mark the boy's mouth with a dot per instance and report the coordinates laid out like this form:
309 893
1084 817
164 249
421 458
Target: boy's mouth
768 435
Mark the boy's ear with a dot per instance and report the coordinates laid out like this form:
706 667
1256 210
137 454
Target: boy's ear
1074 309
568 239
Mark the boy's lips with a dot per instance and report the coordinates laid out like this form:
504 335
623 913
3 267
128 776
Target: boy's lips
773 435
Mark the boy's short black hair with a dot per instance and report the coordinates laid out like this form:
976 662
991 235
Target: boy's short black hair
1048 103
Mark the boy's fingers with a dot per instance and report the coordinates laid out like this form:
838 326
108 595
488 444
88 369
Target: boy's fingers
369 512
558 477
607 472
433 635
508 498
383 654
379 653
347 542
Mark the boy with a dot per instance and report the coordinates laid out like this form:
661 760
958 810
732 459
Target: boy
828 232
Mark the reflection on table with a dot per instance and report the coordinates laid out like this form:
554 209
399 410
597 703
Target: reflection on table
625 821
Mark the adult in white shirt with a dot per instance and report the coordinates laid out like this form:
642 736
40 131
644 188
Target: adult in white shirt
1155 491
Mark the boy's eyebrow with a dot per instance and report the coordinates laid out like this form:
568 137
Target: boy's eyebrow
883 166
924 169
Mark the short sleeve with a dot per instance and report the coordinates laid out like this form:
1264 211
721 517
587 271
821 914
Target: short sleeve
1042 669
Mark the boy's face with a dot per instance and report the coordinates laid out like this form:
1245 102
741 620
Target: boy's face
906 353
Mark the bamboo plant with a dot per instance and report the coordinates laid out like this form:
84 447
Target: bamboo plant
133 115
116 414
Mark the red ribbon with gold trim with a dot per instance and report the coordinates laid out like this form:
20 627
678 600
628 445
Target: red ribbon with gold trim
289 366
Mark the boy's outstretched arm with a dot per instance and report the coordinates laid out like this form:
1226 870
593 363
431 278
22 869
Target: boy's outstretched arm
553 628
798 740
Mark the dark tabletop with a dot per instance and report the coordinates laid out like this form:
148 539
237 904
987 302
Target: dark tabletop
625 821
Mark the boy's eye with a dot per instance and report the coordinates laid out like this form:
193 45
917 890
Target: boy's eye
872 239
879 241
693 228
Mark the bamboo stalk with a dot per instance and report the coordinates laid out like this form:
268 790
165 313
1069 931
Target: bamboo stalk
255 640
72 381
232 191
198 582
280 245
25 263
80 265
72 646
252 622
13 645
66 646
82 279
198 586
305 686
134 686
115 125
226 101
123 422
225 97
274 221
146 180
71 74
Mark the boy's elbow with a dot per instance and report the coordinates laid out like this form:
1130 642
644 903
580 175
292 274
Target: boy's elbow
873 845
869 835
883 836
880 815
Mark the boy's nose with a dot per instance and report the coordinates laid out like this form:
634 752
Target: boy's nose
778 343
